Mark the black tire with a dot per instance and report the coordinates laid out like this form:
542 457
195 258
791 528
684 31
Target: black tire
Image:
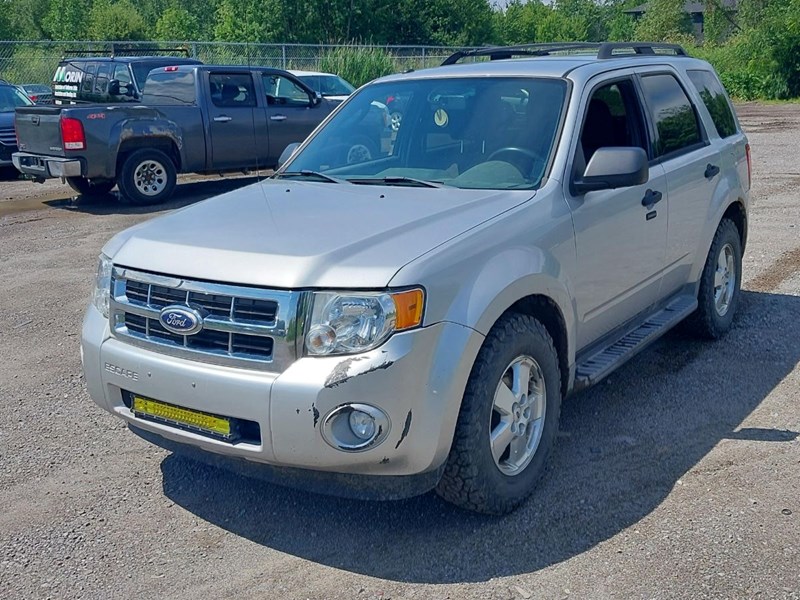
91 187
472 479
359 150
164 177
706 321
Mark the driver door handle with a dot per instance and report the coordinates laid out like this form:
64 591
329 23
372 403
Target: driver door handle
222 119
277 118
651 197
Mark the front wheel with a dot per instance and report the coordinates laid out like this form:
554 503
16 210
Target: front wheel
720 284
91 187
148 176
508 420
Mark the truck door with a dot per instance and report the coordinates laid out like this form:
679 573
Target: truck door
236 125
620 234
291 112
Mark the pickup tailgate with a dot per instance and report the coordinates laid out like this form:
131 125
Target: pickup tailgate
39 130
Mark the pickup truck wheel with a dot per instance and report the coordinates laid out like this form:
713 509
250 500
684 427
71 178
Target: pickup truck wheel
91 187
147 177
361 150
720 284
508 420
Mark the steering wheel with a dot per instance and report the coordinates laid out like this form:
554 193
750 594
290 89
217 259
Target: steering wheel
527 155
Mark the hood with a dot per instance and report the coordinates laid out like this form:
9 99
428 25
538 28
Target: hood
289 234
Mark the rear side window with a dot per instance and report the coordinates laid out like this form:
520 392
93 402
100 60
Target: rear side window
101 83
230 90
713 95
169 88
88 77
672 113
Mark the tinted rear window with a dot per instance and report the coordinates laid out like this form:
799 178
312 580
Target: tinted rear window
673 114
713 95
169 88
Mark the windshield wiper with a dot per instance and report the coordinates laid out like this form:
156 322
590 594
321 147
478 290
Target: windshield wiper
401 181
306 174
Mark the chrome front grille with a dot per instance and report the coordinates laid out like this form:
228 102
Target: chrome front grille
8 136
242 326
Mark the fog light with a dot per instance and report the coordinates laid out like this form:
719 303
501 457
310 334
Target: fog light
355 427
362 424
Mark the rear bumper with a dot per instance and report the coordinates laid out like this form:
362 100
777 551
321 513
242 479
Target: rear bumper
46 166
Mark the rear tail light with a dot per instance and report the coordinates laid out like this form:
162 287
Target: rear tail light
72 134
749 166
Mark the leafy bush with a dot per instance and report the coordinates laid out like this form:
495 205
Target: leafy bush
358 64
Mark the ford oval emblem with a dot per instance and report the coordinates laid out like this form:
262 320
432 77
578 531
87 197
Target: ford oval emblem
181 320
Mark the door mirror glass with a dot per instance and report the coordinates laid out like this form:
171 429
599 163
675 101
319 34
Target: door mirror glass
611 168
287 153
113 87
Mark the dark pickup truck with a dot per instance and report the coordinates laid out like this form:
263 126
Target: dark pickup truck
192 119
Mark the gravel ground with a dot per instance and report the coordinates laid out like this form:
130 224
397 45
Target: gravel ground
677 478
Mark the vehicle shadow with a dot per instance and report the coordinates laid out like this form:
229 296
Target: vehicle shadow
623 446
186 193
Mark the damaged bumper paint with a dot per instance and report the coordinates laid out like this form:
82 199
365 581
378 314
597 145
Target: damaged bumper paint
416 378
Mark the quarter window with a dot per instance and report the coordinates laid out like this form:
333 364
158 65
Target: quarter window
673 115
101 83
713 96
88 77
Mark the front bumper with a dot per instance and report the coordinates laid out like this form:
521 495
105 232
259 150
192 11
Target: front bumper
417 378
46 166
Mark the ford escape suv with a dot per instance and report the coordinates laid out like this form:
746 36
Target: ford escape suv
413 320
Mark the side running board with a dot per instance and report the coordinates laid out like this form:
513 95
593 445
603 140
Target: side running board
602 363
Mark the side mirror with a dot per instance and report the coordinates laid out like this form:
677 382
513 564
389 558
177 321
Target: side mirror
287 153
316 98
611 168
113 87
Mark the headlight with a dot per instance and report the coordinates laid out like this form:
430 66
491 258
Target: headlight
102 285
347 323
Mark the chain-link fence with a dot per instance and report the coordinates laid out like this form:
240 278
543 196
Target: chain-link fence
35 62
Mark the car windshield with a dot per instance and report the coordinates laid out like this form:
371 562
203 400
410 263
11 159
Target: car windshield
11 98
328 85
489 133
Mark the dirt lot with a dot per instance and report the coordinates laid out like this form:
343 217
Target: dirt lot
677 478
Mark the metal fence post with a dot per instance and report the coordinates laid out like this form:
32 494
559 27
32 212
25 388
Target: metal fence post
283 56
423 57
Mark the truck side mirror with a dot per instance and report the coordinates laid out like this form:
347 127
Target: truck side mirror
113 87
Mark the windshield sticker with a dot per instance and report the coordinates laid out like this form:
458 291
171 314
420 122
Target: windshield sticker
440 117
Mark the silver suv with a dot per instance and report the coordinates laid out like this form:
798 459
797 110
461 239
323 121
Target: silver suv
413 319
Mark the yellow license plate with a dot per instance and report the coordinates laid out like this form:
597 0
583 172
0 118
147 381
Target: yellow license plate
181 416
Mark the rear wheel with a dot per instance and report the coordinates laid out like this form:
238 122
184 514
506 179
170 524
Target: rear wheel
91 187
508 420
148 176
720 284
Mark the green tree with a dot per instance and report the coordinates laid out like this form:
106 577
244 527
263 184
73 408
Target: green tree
177 23
249 21
66 19
115 20
665 21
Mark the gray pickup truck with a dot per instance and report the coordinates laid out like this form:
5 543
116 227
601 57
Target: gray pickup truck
192 119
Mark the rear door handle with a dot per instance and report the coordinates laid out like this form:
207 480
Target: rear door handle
651 197
223 119
711 171
277 118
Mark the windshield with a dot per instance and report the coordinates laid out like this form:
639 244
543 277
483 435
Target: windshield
328 85
481 133
11 98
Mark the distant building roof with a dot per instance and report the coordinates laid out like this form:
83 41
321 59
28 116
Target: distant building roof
689 7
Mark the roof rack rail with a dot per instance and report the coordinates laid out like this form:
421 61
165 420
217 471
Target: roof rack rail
115 51
604 50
